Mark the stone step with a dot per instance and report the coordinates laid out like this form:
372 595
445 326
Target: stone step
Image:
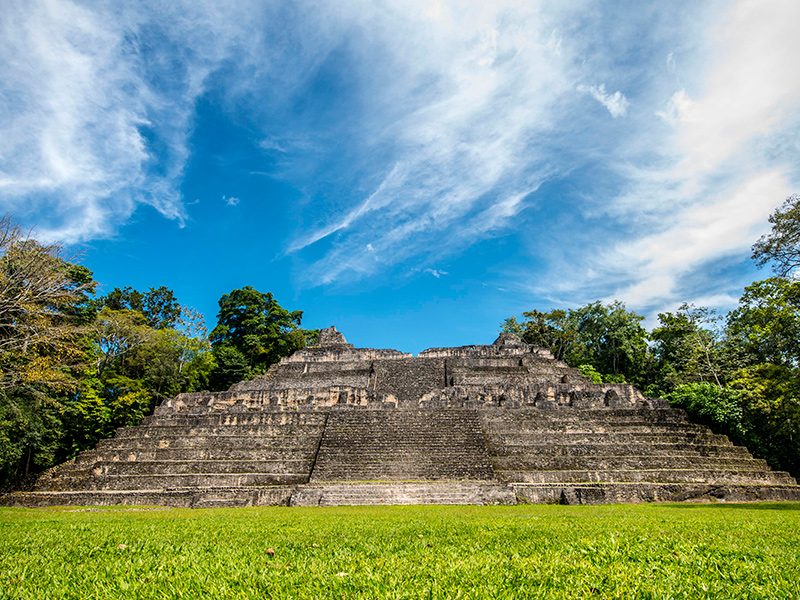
604 493
307 419
616 449
376 493
594 427
397 432
187 498
715 476
399 420
195 480
278 431
387 451
519 439
213 453
400 416
542 421
217 467
363 412
68 471
422 430
416 465
354 448
401 472
625 461
209 441
584 414
446 492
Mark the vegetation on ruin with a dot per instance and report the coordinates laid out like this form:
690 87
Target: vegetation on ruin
253 332
643 551
739 374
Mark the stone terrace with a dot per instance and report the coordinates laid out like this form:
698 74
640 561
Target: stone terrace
334 424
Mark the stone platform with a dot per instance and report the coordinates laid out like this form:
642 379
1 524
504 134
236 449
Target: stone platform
333 424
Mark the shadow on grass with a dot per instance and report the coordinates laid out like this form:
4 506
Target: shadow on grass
748 505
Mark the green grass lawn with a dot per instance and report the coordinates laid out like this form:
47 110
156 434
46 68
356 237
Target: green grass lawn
650 551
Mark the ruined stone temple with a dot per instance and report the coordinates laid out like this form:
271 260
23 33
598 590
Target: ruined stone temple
334 424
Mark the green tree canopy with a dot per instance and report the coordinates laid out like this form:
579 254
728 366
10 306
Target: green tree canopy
257 328
607 337
73 368
554 330
44 303
44 312
770 399
781 246
231 366
765 327
686 347
158 305
611 338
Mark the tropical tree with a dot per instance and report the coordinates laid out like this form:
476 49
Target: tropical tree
230 366
45 309
765 327
606 337
554 330
610 338
159 306
781 246
253 332
138 365
687 347
44 303
770 399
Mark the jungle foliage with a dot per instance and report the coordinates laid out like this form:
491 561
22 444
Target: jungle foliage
253 332
74 365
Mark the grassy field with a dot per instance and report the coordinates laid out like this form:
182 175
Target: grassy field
648 551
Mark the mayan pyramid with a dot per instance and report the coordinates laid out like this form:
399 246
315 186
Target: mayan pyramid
333 424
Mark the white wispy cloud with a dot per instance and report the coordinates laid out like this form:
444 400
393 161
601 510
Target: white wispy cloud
473 90
701 180
724 224
437 273
616 104
450 122
231 200
96 102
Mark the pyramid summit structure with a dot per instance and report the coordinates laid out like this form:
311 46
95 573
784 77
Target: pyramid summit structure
485 424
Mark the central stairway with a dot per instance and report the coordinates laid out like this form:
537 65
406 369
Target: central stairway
403 457
396 445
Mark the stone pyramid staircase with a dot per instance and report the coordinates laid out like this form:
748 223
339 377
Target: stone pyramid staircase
233 459
412 456
396 445
623 455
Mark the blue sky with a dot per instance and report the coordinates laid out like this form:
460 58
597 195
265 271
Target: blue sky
412 172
